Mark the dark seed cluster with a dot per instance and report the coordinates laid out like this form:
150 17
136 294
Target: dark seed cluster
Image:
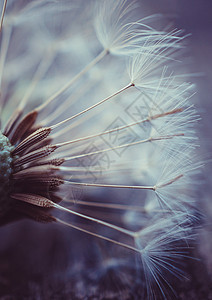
28 179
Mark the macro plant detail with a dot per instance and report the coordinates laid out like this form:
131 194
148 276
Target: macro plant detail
92 97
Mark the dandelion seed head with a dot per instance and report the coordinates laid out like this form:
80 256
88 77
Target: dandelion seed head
75 118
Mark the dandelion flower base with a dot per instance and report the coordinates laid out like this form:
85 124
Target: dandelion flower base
5 172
